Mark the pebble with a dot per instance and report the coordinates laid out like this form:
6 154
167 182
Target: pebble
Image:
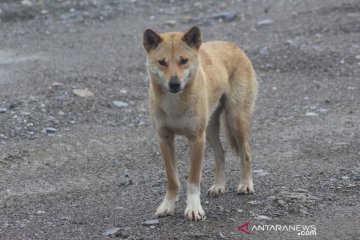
314 198
311 114
264 22
83 93
260 172
356 178
3 110
50 130
255 202
120 104
56 85
170 23
150 222
112 231
263 217
26 3
224 16
282 203
323 110
301 190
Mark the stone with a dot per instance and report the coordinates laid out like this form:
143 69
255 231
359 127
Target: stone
264 22
120 104
301 190
56 85
50 130
356 178
260 172
282 203
263 217
150 222
311 114
26 3
224 16
83 93
170 23
112 231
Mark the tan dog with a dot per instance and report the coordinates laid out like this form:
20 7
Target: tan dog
191 85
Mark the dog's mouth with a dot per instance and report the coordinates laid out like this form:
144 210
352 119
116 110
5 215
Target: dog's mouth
175 91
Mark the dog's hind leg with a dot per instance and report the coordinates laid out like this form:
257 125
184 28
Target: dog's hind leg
238 126
212 135
239 104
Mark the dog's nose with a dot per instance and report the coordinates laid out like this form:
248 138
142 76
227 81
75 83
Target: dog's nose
174 84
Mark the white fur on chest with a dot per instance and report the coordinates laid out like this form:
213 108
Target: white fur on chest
176 116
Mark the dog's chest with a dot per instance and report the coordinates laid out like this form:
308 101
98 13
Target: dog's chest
177 116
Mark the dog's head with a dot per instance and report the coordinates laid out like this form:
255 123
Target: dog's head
172 58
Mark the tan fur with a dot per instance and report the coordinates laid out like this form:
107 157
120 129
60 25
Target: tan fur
217 79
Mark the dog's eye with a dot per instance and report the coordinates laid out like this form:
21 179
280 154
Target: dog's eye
183 61
162 62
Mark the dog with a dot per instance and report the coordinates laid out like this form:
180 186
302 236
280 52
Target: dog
193 84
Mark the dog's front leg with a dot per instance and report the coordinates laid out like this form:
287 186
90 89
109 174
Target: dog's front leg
193 210
167 207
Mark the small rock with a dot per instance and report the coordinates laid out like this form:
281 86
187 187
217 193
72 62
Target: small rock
170 23
264 22
150 222
263 217
323 110
314 198
56 85
3 110
311 114
282 203
301 190
356 178
304 212
125 233
40 212
120 104
272 198
255 202
260 172
26 3
83 93
50 130
112 231
290 42
224 16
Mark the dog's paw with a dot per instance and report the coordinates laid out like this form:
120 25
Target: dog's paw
216 190
194 213
245 188
166 208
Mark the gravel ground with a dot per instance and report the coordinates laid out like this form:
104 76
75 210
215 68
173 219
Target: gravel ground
79 158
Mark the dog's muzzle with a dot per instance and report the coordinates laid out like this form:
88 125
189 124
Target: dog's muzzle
175 84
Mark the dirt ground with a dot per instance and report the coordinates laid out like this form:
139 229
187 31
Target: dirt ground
74 167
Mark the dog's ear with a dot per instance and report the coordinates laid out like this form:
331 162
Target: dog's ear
193 37
151 40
